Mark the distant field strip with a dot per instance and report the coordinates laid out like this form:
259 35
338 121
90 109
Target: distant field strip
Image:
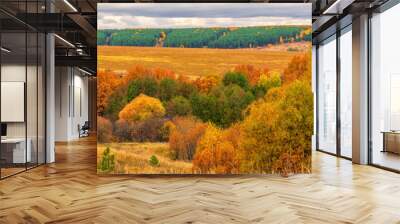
190 61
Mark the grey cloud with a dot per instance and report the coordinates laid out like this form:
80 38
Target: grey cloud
206 10
179 15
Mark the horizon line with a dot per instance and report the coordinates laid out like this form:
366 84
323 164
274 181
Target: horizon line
211 27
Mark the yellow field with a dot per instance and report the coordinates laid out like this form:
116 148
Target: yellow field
133 158
190 61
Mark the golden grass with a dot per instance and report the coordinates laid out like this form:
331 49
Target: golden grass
133 158
190 61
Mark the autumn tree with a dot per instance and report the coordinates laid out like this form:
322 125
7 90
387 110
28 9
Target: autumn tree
141 72
107 82
149 130
166 130
141 108
215 153
278 129
271 80
259 142
184 136
206 83
104 130
251 72
267 82
298 68
162 73
123 130
136 72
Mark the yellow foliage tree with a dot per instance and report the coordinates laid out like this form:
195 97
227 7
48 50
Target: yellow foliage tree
142 108
270 80
276 135
216 152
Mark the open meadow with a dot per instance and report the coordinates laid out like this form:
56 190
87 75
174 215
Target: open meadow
133 158
191 61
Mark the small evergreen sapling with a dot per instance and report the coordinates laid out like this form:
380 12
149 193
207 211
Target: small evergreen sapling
153 161
107 162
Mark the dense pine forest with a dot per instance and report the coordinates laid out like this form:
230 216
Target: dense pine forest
243 37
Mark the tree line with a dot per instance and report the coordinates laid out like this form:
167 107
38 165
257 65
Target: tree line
240 37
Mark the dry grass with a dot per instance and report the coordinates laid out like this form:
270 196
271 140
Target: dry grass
191 61
133 158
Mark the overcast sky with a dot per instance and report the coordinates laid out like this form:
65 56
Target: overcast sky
180 15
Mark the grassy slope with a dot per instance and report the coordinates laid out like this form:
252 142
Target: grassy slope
132 158
190 61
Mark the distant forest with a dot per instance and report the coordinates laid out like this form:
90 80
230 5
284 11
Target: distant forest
243 37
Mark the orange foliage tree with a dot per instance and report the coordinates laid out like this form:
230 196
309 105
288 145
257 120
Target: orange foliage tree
139 131
106 84
184 136
216 152
298 68
104 130
142 108
251 72
160 73
139 71
206 83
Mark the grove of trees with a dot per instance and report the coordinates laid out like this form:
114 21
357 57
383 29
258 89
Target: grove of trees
249 120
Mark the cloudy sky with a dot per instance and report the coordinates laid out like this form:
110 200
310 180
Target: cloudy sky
180 15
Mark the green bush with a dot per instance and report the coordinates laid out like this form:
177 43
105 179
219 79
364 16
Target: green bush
116 101
233 103
186 89
223 106
205 107
236 78
168 89
147 86
179 106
